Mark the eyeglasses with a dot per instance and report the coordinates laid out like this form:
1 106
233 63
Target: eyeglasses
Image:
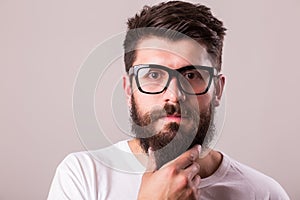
154 79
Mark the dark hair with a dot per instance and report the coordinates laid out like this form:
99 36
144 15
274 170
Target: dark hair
192 20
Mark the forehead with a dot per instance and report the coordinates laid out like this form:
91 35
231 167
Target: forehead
173 54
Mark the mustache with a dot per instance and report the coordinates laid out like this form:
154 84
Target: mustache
168 109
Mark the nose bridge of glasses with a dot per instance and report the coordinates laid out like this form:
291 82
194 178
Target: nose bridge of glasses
174 89
178 78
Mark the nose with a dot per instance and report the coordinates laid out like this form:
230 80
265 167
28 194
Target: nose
173 92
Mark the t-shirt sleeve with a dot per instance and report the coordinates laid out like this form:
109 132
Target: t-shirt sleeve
264 187
68 180
277 192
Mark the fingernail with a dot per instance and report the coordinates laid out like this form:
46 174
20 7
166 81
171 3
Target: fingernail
199 148
149 150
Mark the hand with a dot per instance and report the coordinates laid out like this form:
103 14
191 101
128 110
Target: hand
177 179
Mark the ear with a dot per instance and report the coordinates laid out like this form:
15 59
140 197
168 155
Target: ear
127 89
219 88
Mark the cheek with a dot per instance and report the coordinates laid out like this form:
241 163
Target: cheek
144 102
204 102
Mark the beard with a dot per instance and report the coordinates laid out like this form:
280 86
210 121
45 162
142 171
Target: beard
172 139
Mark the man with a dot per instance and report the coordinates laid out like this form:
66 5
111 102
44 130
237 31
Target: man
173 85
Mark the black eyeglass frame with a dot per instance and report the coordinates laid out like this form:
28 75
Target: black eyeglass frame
173 73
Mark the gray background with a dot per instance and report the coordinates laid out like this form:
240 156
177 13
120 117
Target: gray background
43 44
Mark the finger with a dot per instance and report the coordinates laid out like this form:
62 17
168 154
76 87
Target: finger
196 180
196 186
198 193
192 171
187 158
151 164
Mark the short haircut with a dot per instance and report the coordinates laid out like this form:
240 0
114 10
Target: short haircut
192 20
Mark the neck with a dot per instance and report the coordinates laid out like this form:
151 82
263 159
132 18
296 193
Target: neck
208 164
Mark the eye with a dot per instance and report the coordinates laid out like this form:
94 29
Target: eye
156 75
153 75
192 75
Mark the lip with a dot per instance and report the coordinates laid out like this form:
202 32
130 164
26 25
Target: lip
174 118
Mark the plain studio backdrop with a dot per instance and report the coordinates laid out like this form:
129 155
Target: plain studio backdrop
44 43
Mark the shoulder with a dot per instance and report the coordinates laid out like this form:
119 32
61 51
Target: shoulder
76 161
84 171
259 183
94 158
69 181
117 157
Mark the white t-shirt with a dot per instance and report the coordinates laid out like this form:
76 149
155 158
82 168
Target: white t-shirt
115 173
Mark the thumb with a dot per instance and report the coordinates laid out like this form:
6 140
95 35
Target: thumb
151 165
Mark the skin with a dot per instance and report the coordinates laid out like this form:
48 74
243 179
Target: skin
179 178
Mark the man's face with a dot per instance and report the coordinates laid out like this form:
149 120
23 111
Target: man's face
158 118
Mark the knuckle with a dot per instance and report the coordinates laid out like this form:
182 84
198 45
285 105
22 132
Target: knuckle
196 166
191 156
184 181
172 170
190 192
